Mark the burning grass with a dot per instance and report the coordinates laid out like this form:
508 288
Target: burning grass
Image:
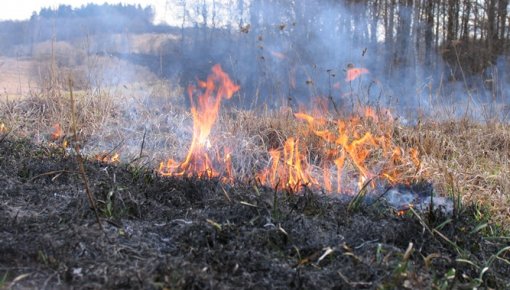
285 148
184 233
236 162
312 158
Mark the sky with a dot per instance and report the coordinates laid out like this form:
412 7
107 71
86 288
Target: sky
22 9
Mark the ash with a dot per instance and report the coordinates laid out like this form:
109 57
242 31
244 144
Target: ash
420 196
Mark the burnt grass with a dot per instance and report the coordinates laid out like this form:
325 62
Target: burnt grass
190 233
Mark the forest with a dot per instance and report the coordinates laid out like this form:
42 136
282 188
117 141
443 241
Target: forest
449 48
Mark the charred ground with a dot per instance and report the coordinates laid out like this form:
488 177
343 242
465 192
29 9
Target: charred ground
202 234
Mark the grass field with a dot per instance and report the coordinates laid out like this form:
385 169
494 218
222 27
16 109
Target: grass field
466 159
294 226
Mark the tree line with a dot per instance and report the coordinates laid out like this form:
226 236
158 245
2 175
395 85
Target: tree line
67 23
404 40
285 47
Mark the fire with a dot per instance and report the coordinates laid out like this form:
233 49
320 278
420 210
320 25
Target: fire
360 146
323 153
354 73
291 170
56 133
402 212
204 110
3 128
108 158
370 113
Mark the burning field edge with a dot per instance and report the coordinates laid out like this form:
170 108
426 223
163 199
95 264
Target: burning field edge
190 233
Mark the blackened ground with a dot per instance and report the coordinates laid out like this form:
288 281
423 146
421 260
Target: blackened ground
198 234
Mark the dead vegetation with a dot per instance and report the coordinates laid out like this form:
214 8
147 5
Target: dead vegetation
463 158
209 234
188 233
467 159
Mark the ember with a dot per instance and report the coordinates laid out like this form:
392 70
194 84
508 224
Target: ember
56 133
108 158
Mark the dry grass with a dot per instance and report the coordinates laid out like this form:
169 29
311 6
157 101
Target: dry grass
250 136
467 158
459 157
34 116
15 78
151 114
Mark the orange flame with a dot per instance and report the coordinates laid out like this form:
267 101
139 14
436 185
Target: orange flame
3 128
354 73
227 160
57 132
359 146
371 114
415 157
108 158
292 172
404 211
204 111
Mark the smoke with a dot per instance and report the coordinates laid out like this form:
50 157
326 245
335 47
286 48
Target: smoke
288 53
281 53
293 52
319 46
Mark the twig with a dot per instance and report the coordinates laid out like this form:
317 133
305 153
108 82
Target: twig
57 172
334 105
17 279
143 142
353 284
5 136
83 174
330 95
116 147
226 194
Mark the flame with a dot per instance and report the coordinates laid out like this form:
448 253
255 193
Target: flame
108 158
360 146
204 110
292 171
415 157
3 128
57 132
403 211
370 113
227 160
339 162
323 153
353 73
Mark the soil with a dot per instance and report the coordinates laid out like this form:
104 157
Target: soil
188 233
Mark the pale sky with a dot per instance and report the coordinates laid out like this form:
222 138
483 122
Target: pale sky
22 9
